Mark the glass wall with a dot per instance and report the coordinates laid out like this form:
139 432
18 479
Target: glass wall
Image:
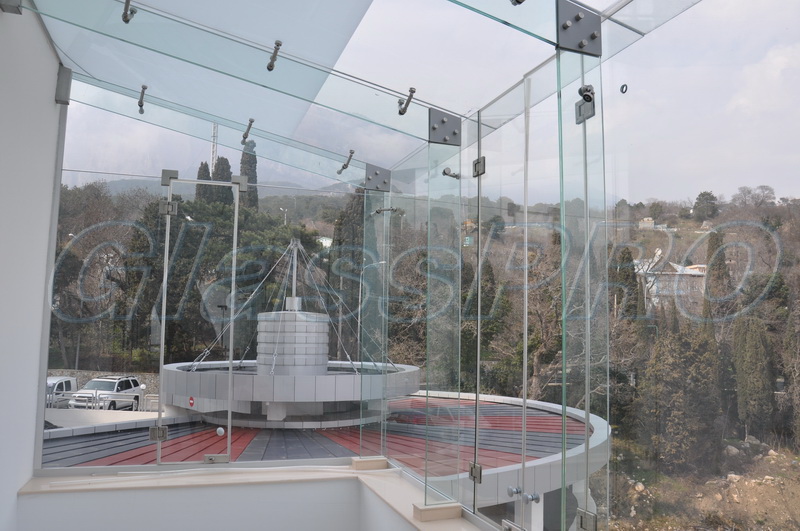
702 200
566 318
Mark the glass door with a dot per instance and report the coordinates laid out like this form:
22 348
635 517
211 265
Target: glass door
199 311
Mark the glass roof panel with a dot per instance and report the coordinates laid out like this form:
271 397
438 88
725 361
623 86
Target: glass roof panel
152 44
282 151
647 15
534 17
457 59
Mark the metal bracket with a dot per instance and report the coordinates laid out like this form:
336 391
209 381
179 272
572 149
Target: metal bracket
583 111
167 176
444 128
585 521
578 29
213 459
167 208
240 181
476 472
377 179
403 104
63 85
274 56
11 6
508 525
479 167
159 433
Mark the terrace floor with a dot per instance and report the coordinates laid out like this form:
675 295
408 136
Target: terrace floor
436 431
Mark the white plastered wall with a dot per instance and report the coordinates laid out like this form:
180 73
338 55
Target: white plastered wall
29 126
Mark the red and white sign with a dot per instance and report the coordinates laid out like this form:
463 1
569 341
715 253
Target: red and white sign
191 401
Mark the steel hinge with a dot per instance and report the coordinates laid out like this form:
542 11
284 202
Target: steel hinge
583 111
167 208
159 433
476 472
479 167
216 458
585 521
508 525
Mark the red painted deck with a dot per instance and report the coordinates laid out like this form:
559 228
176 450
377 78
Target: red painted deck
182 449
431 436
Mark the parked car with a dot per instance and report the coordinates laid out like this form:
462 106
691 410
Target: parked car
109 392
59 391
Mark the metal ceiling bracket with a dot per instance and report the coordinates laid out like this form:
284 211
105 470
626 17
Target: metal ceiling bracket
444 128
141 99
63 85
274 56
377 179
578 29
247 131
403 104
167 176
11 6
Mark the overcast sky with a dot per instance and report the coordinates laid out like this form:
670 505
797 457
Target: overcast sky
715 92
711 100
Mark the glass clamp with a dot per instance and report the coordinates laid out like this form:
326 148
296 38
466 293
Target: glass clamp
159 433
167 208
476 472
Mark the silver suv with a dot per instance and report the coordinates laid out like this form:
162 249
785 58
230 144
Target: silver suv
109 392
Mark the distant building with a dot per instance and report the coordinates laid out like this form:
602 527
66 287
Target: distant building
647 223
684 284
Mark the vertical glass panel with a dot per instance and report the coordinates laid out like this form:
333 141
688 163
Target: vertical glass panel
408 280
584 374
704 346
198 303
102 376
444 454
496 308
372 320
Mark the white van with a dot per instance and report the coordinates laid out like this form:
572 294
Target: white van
59 390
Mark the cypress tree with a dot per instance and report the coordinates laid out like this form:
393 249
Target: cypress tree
203 192
754 392
247 167
222 173
717 277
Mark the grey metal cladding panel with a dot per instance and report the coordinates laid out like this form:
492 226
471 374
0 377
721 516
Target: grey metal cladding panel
578 29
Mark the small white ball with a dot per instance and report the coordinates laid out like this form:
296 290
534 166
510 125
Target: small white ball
220 431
